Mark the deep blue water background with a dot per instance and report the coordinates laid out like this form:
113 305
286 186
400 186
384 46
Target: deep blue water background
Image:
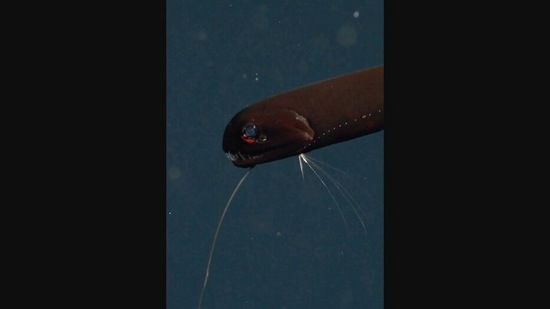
283 243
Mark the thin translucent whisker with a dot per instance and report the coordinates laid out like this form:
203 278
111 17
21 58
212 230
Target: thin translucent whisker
216 236
304 158
345 194
318 164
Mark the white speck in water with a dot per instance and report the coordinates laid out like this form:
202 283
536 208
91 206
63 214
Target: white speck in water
356 14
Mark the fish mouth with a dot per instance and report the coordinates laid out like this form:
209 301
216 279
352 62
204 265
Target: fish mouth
245 160
249 160
238 157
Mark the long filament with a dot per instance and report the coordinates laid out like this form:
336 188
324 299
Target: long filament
216 236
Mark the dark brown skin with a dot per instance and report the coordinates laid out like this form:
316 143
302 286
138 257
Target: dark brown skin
307 118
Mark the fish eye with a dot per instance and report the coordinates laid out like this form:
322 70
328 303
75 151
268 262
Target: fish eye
250 134
250 131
